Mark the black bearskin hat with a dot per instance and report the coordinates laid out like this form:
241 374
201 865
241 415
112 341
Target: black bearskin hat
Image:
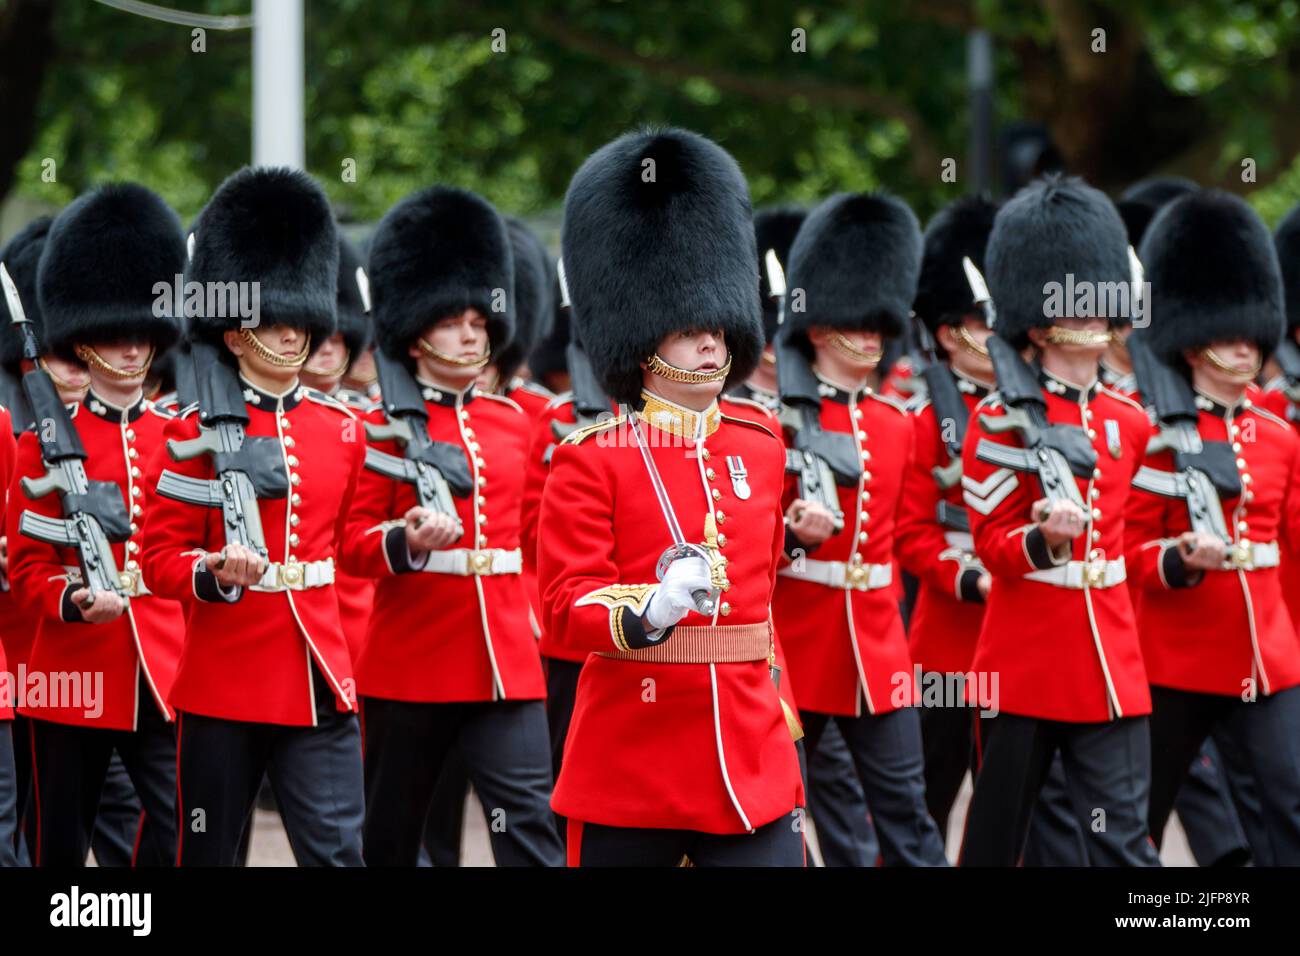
774 229
272 226
1213 274
1287 242
1057 230
103 259
659 237
958 230
436 253
21 255
534 310
354 323
855 263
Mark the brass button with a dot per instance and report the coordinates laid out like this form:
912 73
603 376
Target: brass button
482 540
130 434
293 461
704 453
482 519
296 498
1096 473
1236 446
864 515
866 495
866 475
717 495
710 474
284 422
137 510
132 547
722 540
862 436
1092 433
464 415
295 479
725 609
721 516
135 472
1246 479
482 500
288 442
857 413
481 463
1241 463
1096 514
866 455
135 491
132 453
862 536
1096 535
294 519
135 528
481 481
293 539
133 565
1243 526
1094 494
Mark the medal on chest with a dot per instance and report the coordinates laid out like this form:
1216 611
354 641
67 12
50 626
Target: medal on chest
739 477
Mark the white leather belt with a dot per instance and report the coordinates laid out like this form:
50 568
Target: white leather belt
296 576
1078 574
467 561
1252 555
960 539
838 574
132 581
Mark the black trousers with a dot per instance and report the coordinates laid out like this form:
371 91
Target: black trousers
1056 837
8 798
70 764
561 688
1265 732
887 753
1107 769
1209 817
845 835
446 820
779 843
505 747
1245 795
122 828
314 771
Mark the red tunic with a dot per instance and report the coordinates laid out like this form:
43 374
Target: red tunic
250 659
1230 632
1069 654
15 622
847 645
439 637
696 746
356 594
534 400
946 618
144 641
1274 399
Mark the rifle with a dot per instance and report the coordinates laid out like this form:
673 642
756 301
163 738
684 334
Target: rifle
247 467
821 459
437 469
94 513
1055 453
1204 472
1288 357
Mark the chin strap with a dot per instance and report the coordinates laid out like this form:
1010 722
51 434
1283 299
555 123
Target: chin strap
840 343
97 361
687 376
969 343
442 356
267 355
1060 336
1244 374
338 369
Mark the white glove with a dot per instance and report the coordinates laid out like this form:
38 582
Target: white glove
672 600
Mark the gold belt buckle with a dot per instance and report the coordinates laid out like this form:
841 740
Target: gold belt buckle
1243 555
129 582
858 575
291 574
480 562
1095 573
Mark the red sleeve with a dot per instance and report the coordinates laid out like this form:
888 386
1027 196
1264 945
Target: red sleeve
1150 524
535 471
576 573
919 539
372 525
998 501
36 569
177 533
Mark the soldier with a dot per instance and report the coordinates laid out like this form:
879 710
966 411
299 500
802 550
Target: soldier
1219 645
450 661
96 281
854 263
1058 628
265 684
20 257
678 745
934 540
9 792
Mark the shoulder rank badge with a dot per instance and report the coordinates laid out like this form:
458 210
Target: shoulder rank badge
1112 439
739 477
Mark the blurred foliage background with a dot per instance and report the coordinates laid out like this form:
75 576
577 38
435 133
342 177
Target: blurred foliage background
412 91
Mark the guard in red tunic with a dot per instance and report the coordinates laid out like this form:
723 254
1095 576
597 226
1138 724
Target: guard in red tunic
324 371
265 680
852 278
934 542
1219 644
18 631
450 660
101 261
1058 630
661 530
